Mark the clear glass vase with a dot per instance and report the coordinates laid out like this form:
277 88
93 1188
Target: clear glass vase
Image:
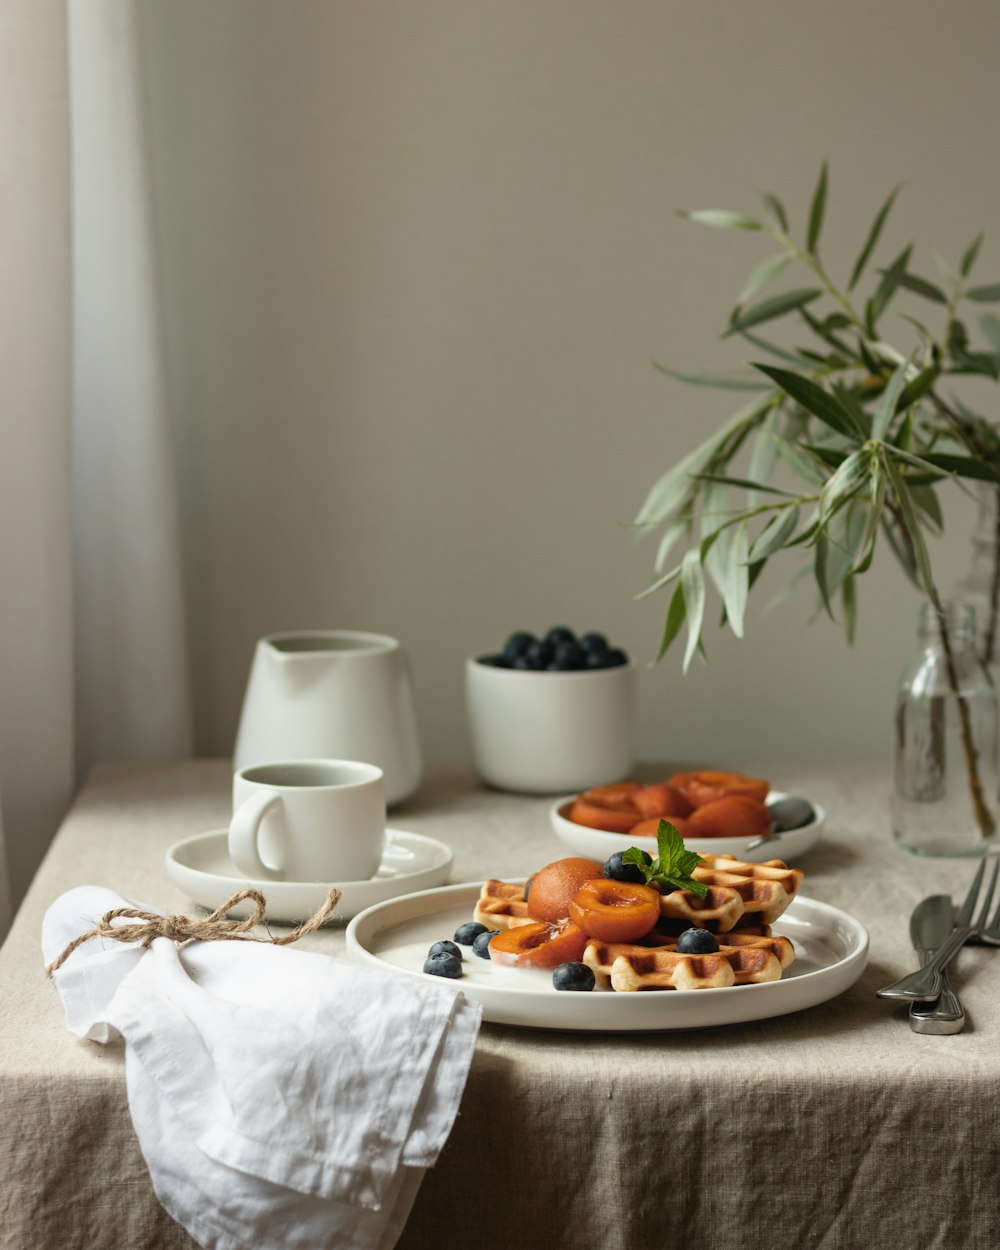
946 774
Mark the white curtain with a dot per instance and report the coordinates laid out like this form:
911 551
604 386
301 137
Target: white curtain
92 642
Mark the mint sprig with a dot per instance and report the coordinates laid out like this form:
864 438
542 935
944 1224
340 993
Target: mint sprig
672 868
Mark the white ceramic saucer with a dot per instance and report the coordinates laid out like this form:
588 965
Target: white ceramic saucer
201 867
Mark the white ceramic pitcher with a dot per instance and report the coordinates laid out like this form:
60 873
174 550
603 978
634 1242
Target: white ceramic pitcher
332 694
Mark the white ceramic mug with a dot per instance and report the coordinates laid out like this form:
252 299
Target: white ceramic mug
308 820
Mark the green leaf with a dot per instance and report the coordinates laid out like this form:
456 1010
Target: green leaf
669 540
773 537
675 619
693 583
715 534
768 309
765 272
887 288
843 483
920 286
721 219
971 252
888 400
918 387
774 210
793 358
929 504
803 464
911 522
984 294
990 326
873 237
667 493
719 381
964 466
763 458
813 398
816 212
737 582
745 482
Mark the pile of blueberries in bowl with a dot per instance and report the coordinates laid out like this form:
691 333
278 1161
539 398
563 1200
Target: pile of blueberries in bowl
558 651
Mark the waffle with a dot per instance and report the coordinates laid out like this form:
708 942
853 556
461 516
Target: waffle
742 959
501 905
737 891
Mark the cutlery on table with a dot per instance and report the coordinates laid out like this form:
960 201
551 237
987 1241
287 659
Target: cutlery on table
926 984
930 926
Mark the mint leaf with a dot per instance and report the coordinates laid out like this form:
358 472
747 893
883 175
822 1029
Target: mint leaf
673 866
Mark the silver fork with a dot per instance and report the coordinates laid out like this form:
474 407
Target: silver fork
926 984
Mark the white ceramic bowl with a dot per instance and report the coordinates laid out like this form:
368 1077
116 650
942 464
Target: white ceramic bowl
599 844
542 733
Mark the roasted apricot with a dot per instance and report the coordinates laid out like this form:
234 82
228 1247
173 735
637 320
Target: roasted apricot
661 799
735 816
614 820
538 945
649 828
615 911
553 886
706 786
619 795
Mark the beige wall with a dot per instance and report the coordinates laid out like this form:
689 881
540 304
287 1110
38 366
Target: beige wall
419 259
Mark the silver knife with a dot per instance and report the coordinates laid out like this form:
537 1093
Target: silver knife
931 923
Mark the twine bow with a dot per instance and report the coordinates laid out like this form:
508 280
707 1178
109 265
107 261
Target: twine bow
150 925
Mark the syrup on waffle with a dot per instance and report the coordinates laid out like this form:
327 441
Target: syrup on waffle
742 959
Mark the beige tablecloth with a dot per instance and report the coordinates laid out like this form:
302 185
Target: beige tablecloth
836 1128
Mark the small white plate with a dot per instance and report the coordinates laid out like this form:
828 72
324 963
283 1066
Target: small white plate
599 843
202 868
831 950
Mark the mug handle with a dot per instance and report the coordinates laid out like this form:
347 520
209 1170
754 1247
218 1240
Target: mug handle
243 833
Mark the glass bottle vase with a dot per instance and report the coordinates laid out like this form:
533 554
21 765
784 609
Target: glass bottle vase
946 742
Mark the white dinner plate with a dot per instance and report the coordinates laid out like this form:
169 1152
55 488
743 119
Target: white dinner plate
599 843
831 950
410 861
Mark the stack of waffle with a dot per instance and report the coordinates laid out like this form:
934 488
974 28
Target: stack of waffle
742 903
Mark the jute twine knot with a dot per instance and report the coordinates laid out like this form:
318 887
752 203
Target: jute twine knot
150 925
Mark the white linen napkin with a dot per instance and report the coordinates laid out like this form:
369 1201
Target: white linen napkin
283 1100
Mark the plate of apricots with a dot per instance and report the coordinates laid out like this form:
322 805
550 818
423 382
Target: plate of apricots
716 812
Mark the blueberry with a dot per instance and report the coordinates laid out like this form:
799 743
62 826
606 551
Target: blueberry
443 965
596 659
524 664
540 654
614 658
594 641
615 870
517 644
467 933
568 656
481 946
445 948
558 634
573 976
697 942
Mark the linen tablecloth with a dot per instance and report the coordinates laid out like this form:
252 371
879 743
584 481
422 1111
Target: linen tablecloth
834 1128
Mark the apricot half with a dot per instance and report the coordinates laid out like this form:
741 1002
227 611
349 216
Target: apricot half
613 820
553 886
615 911
661 799
538 945
735 816
619 795
706 786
